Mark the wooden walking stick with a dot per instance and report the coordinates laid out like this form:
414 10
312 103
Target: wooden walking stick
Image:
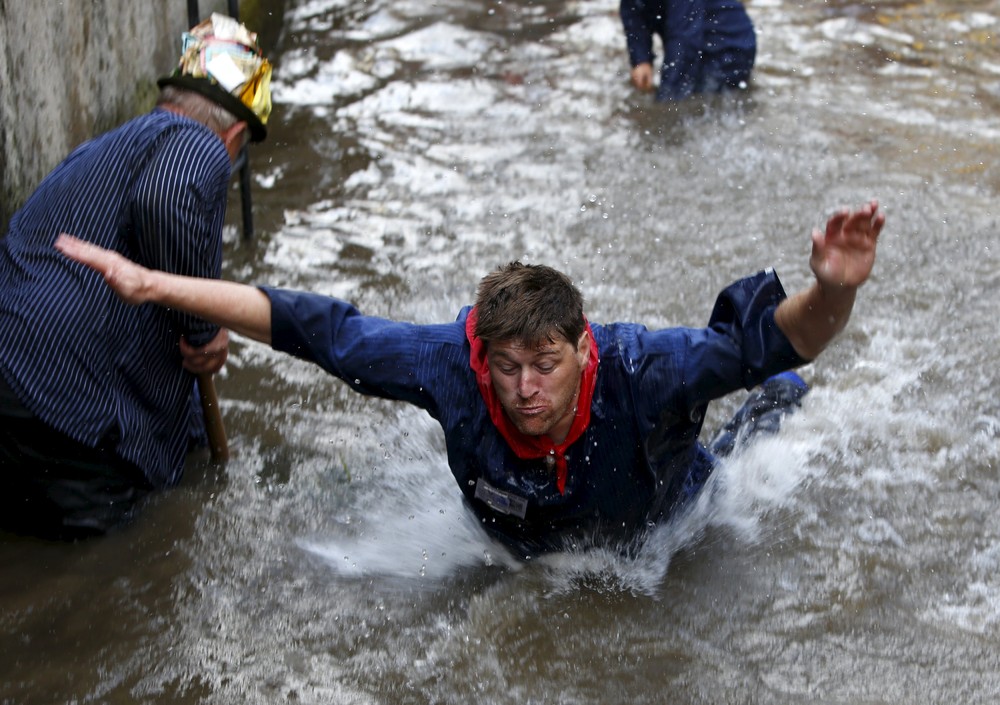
214 428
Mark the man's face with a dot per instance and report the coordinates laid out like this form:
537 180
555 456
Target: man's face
235 138
538 385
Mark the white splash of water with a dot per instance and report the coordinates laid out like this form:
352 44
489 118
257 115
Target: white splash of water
413 523
740 497
428 543
419 528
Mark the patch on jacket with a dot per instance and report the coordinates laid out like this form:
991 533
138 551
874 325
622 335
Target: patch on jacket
500 501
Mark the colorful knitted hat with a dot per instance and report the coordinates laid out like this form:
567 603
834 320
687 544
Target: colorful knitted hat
220 60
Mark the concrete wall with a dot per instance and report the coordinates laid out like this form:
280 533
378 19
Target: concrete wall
70 69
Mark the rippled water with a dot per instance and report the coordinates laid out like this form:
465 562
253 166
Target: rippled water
416 145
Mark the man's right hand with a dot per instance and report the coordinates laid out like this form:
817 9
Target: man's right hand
642 77
125 277
240 308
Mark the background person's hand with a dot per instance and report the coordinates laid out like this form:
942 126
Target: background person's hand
642 77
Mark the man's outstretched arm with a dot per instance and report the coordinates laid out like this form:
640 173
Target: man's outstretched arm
842 258
238 307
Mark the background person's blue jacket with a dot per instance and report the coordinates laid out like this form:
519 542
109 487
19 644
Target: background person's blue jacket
708 45
637 461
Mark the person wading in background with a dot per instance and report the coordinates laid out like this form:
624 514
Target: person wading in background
708 45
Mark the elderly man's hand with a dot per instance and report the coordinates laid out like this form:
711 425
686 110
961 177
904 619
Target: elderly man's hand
209 358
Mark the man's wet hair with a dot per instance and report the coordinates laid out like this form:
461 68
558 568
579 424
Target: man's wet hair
529 303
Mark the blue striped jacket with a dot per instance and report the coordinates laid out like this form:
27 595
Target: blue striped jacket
82 361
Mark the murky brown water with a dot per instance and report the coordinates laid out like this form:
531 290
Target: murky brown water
416 145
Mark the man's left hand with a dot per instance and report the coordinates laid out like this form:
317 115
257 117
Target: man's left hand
843 255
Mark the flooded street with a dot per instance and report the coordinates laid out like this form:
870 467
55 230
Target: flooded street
415 146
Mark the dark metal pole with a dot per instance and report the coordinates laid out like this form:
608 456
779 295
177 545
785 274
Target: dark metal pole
234 12
245 195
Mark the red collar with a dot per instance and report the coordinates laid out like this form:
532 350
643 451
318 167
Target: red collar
523 445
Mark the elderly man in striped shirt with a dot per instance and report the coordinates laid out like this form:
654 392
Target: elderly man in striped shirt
95 395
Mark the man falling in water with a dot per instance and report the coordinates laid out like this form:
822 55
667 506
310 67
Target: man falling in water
559 431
